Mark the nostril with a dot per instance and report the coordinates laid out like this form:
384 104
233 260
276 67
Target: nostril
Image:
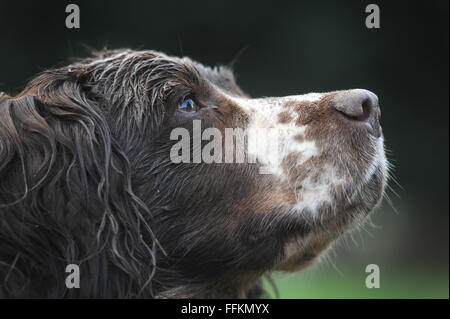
357 105
366 110
360 107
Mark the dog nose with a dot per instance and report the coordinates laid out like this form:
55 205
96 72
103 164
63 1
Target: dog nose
361 107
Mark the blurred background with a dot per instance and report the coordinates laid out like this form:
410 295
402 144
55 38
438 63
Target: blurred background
294 47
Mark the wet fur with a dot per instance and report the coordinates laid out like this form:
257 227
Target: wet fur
85 179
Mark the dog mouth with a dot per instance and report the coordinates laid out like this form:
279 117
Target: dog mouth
335 193
349 208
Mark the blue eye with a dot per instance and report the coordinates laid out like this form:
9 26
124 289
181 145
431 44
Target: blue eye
188 105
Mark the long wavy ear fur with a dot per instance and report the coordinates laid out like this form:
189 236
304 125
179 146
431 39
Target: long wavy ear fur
66 198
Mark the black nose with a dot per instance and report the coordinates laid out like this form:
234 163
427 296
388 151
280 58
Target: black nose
361 107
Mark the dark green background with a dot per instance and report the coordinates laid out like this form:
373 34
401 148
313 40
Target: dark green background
292 48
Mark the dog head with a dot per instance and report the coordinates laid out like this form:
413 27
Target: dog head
177 179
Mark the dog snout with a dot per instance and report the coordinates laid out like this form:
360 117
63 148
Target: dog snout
360 107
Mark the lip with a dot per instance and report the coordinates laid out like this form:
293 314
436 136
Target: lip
365 125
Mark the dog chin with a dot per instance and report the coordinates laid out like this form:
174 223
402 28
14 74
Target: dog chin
302 252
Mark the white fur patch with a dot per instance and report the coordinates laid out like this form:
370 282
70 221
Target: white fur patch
311 192
264 115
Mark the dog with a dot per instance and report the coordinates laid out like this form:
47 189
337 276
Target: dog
87 178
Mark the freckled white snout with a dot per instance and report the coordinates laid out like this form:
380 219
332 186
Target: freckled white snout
359 105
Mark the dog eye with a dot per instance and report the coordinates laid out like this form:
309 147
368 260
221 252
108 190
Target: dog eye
188 105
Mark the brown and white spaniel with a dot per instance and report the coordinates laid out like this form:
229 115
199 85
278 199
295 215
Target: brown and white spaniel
87 177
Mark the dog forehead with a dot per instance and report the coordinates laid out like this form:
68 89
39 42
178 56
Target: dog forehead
220 76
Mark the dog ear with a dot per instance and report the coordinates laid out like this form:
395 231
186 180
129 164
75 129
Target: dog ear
66 197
